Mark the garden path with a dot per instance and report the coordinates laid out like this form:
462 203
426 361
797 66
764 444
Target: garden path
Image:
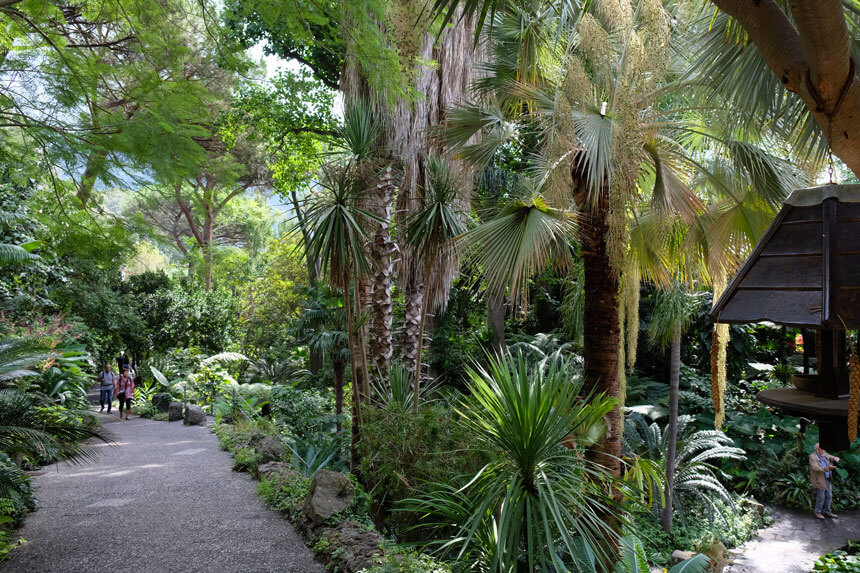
163 498
794 541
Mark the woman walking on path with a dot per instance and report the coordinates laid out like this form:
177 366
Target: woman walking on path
107 381
125 392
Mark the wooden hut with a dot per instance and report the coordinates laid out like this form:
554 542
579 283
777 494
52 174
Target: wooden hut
805 272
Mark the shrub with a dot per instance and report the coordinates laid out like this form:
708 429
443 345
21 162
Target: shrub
285 492
407 561
401 452
303 410
16 493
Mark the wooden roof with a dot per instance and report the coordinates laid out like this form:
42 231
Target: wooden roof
805 271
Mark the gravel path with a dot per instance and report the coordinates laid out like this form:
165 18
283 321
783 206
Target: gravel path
162 499
794 541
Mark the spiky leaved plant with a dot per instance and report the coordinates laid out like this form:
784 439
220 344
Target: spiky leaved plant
539 505
431 231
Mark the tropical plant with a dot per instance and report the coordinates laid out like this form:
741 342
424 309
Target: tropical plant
793 490
634 560
431 230
336 239
697 477
29 430
313 452
672 315
538 503
19 356
275 371
400 389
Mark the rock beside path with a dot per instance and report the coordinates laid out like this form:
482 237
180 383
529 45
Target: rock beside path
161 401
174 412
331 493
356 547
194 416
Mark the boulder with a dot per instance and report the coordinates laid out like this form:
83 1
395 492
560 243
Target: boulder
174 411
330 493
351 547
272 468
270 450
194 416
161 401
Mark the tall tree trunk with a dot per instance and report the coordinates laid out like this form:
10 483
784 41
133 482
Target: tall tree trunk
339 367
355 436
672 429
208 226
382 249
496 322
416 383
601 333
414 302
407 136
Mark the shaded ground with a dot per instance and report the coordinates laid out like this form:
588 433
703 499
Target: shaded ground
162 499
794 541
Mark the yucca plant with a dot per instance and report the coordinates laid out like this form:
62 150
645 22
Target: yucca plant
539 504
697 477
399 389
431 231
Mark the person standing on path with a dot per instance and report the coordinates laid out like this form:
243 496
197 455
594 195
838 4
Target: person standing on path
107 381
820 471
125 392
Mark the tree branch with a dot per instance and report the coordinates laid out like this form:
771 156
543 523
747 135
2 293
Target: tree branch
774 35
824 37
188 216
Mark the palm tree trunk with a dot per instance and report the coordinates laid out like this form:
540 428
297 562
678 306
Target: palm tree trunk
414 295
672 428
356 392
382 249
496 322
339 368
601 333
416 384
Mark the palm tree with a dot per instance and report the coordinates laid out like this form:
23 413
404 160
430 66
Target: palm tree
431 231
337 240
673 313
610 159
323 326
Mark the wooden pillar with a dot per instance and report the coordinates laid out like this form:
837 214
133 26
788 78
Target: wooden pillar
804 334
827 371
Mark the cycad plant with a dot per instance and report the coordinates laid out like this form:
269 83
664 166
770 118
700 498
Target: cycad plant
28 430
697 477
19 358
539 505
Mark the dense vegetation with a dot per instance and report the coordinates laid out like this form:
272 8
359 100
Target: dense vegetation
423 243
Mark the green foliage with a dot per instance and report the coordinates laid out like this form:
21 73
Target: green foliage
537 501
408 561
303 410
285 492
313 452
845 559
733 528
402 453
698 452
16 492
44 434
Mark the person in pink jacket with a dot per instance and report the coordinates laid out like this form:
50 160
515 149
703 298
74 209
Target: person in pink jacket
125 392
